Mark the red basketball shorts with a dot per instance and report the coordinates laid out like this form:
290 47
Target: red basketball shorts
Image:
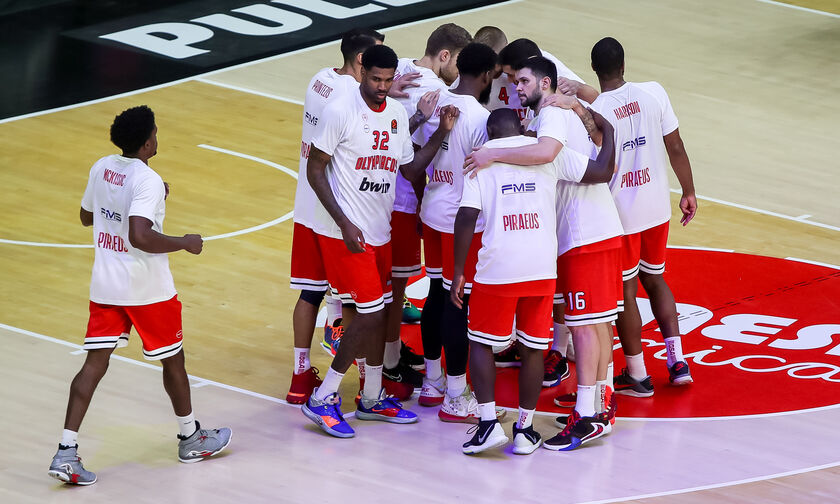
363 278
308 271
644 251
492 310
405 245
589 279
158 324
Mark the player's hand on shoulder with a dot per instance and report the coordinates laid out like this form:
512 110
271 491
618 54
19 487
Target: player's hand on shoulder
448 115
559 100
567 86
427 103
405 81
480 158
193 243
353 238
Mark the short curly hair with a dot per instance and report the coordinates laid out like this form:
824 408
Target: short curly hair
132 128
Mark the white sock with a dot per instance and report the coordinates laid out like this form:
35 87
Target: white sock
392 353
360 363
600 396
330 384
455 385
302 363
526 418
68 438
433 369
610 375
333 309
373 382
675 352
561 338
487 410
585 405
636 366
186 424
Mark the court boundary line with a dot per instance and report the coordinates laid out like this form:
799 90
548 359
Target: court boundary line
800 8
240 65
202 382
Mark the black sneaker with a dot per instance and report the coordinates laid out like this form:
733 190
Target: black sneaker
526 440
488 434
404 374
578 430
411 359
556 369
627 385
679 374
509 357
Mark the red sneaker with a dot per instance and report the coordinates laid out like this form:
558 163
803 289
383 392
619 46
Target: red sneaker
302 386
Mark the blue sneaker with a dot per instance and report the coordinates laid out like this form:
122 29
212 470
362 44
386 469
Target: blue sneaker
332 337
385 408
327 414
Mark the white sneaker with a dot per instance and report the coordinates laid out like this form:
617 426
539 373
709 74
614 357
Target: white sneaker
487 435
526 440
463 408
432 392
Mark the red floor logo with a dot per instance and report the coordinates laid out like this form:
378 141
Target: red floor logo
761 335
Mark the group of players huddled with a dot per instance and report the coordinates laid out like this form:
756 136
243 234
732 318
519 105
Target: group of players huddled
539 201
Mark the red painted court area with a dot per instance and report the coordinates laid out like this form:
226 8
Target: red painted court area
762 335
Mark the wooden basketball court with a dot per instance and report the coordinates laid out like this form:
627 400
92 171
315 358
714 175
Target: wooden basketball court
754 86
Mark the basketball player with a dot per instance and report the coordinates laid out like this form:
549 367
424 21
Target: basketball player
646 128
308 274
476 65
517 264
437 70
361 141
131 285
588 238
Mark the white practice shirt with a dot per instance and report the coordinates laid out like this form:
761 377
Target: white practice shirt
367 149
641 114
120 187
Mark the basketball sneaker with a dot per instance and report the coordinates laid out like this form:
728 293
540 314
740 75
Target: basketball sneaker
332 337
556 369
385 409
526 440
566 400
302 386
679 373
563 420
509 357
627 385
412 359
403 374
410 313
402 391
203 443
327 414
463 408
488 434
67 466
433 391
578 431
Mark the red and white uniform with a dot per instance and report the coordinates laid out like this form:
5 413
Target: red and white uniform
641 115
442 195
367 148
307 263
128 286
517 261
503 93
588 227
405 239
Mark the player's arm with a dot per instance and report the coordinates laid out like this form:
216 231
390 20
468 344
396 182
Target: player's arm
316 175
542 152
682 168
601 169
143 237
416 169
464 229
86 217
425 109
572 87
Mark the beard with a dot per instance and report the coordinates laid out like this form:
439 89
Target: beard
532 100
484 97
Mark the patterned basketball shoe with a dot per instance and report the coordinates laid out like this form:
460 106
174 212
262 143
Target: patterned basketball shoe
327 415
202 444
578 431
302 386
463 408
433 391
410 313
385 409
67 466
556 369
332 337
